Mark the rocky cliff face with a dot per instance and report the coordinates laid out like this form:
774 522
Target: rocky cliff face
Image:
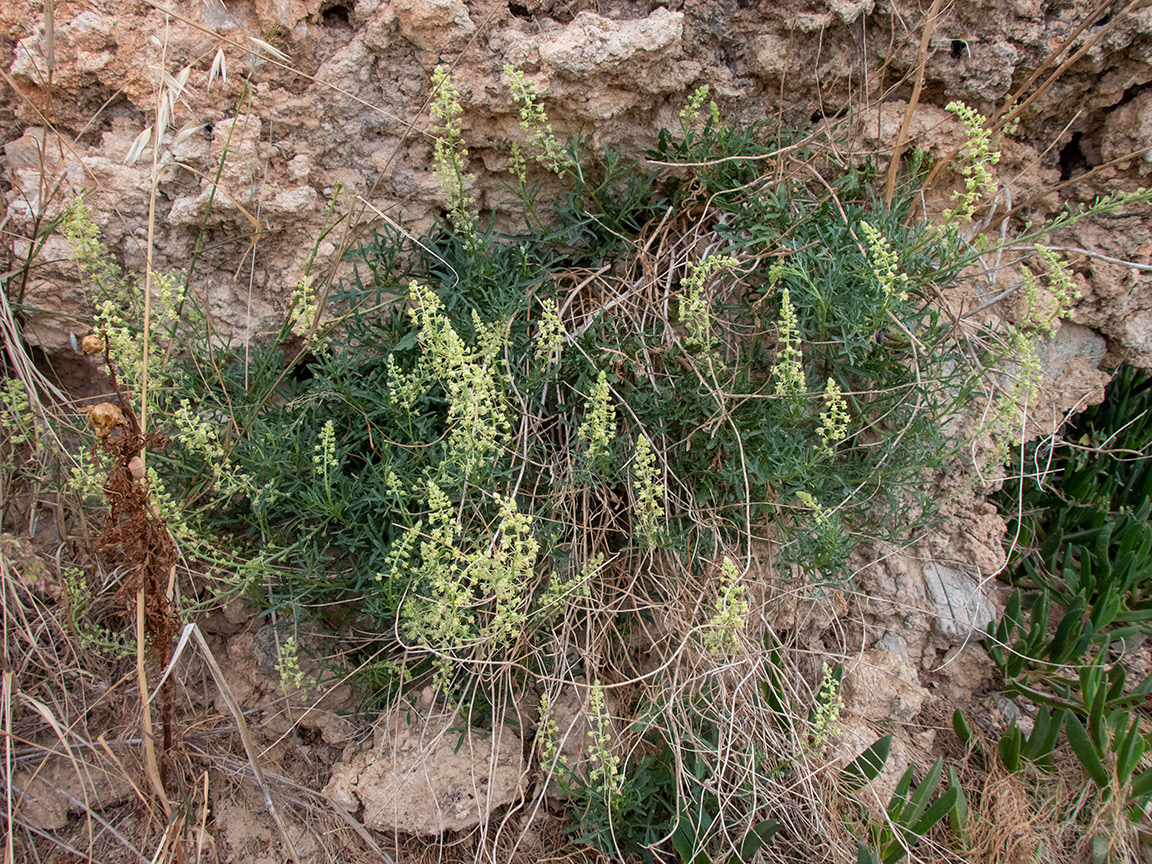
252 164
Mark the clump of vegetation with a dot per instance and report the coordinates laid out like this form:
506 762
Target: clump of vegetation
1081 537
519 459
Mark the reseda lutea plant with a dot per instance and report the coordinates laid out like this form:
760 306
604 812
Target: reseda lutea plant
550 457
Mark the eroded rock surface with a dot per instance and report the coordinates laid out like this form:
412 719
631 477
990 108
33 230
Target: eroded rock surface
429 775
962 610
346 118
882 684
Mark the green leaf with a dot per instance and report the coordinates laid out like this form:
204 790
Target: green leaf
943 806
1009 748
1038 632
1116 679
1129 753
1085 751
1096 728
1142 785
1044 735
894 851
923 794
1089 682
867 766
1101 849
685 844
958 815
961 728
1067 632
1039 730
864 855
760 834
900 795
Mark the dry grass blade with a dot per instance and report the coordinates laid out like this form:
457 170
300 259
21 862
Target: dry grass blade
6 706
913 101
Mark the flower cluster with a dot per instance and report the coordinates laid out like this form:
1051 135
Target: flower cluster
821 515
471 377
552 600
94 637
605 768
405 388
833 419
440 615
292 677
324 453
15 410
449 155
504 574
789 370
1061 285
826 711
648 490
547 738
534 121
695 311
599 427
198 435
978 155
727 625
304 309
473 588
885 265
690 113
550 335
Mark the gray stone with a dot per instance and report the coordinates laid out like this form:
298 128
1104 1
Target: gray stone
894 643
962 611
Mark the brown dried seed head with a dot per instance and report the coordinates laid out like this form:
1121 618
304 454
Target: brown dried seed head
92 344
104 417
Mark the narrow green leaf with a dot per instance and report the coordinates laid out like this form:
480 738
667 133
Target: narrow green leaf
894 851
1116 680
1044 747
960 727
867 766
1101 849
923 794
1141 785
900 796
1066 632
1038 632
760 834
958 816
1039 732
1085 751
1009 748
1089 680
1096 728
1129 753
943 806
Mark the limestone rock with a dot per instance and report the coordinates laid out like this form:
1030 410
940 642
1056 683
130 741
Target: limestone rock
1128 129
434 24
428 776
882 686
962 609
1073 380
592 44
